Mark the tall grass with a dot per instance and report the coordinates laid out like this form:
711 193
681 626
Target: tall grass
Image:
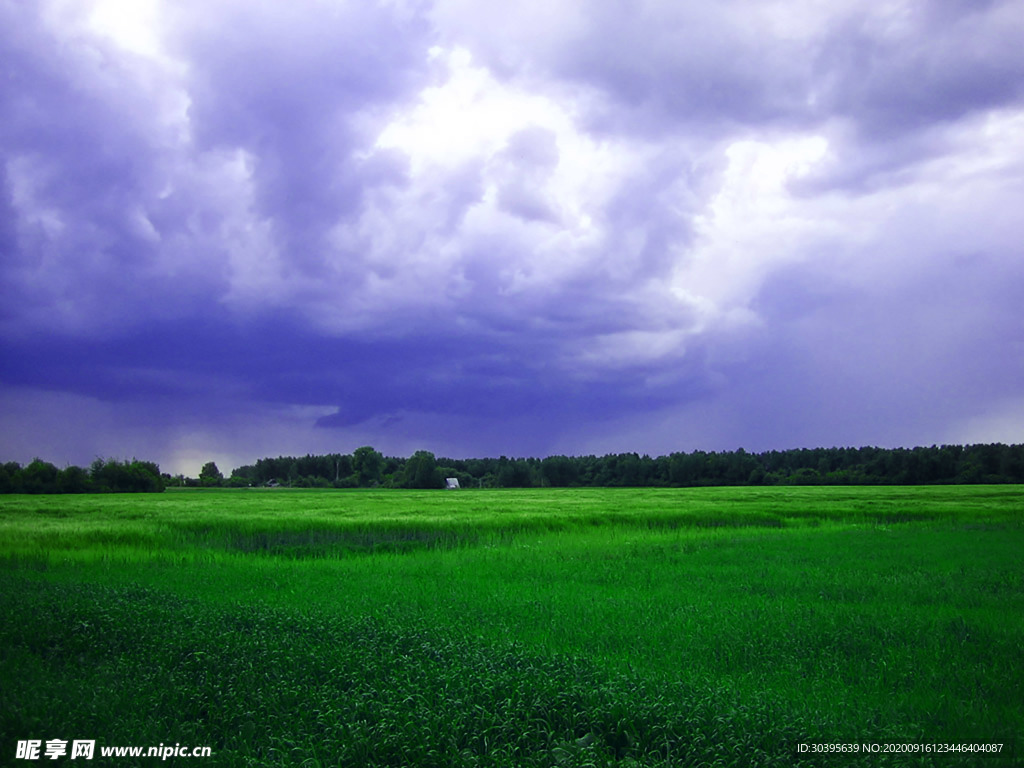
597 627
332 523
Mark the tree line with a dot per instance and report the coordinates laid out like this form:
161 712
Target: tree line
366 467
102 476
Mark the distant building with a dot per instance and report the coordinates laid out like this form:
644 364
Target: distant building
451 483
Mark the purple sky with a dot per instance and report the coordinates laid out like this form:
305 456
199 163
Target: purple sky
242 228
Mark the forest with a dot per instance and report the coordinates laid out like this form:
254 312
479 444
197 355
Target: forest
368 468
102 476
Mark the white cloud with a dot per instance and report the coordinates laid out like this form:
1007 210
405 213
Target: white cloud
132 24
753 224
470 119
506 195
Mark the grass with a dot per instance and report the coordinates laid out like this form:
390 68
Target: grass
556 628
316 523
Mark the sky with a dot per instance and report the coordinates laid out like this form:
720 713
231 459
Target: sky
232 229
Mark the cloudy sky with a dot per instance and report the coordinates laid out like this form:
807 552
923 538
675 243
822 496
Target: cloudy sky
242 228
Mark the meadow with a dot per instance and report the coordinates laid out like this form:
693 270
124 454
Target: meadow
542 627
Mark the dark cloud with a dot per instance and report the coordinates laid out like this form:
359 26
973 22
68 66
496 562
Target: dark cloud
853 364
643 226
85 157
937 63
300 106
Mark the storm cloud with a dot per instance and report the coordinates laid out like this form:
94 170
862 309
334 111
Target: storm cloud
230 230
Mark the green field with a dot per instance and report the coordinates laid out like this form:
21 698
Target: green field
568 627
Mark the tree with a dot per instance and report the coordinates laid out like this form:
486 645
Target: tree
39 477
421 471
558 471
514 473
112 476
10 477
244 475
73 480
342 465
367 464
210 475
